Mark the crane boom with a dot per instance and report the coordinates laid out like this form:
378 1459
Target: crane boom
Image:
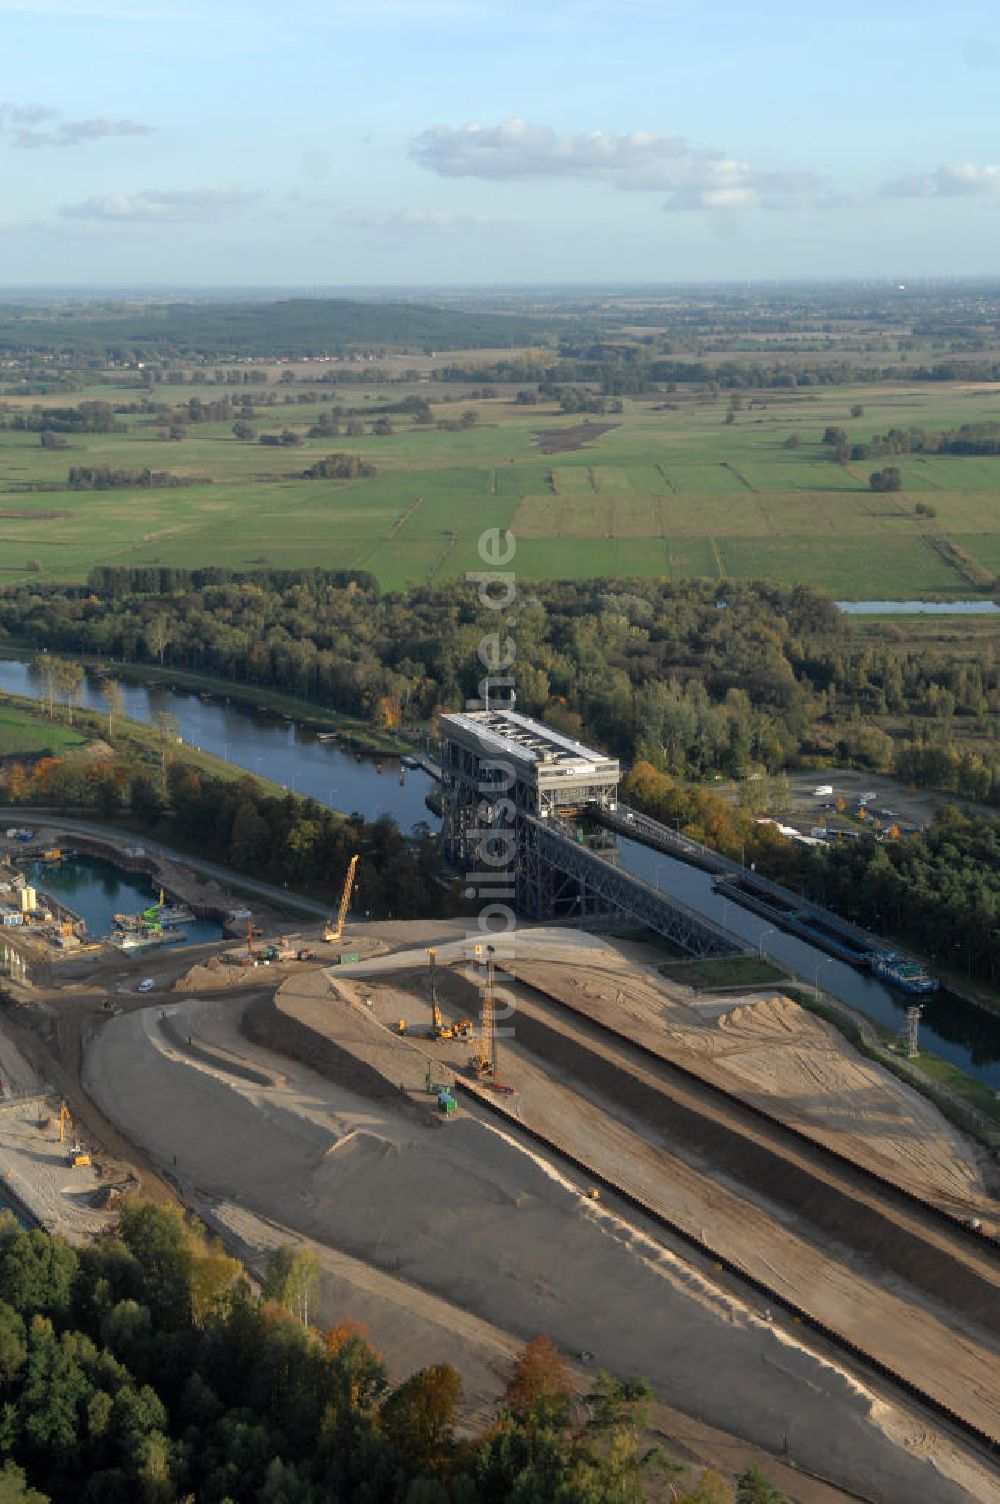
483 1058
437 1022
332 934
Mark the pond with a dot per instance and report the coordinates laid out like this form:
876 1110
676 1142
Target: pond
97 891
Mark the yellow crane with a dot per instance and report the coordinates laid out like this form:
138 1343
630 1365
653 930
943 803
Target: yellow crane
332 934
483 1061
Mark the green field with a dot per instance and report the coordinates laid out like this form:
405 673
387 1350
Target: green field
668 492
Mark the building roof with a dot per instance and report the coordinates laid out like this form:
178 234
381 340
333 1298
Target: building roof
520 737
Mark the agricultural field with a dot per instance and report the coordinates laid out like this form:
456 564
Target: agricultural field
667 488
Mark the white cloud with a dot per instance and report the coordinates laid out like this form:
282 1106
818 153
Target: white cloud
191 206
412 221
951 180
32 126
693 177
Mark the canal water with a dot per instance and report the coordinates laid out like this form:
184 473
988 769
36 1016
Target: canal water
919 608
265 744
97 891
296 758
950 1027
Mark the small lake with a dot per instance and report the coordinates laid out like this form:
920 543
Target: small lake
918 608
97 891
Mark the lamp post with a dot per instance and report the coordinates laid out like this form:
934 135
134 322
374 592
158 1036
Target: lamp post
771 930
826 961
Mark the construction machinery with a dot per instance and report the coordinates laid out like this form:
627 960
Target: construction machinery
76 1154
482 1061
334 932
439 1030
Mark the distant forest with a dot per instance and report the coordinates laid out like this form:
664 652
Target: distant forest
300 326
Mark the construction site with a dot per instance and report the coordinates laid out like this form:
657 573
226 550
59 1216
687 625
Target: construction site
485 1136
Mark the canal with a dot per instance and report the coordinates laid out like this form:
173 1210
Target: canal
265 744
950 1027
296 758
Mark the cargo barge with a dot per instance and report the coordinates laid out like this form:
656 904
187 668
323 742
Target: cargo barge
838 937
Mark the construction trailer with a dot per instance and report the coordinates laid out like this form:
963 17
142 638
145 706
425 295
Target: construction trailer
505 778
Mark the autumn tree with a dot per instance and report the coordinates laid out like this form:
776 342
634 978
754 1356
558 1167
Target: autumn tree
42 673
711 1488
418 1418
69 676
538 1388
158 635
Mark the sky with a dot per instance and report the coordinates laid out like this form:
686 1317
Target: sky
324 143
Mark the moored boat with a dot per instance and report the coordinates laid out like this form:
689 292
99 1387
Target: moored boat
902 971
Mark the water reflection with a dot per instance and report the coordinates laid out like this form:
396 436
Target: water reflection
266 744
97 891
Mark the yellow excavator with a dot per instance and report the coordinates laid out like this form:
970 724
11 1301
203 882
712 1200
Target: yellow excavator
75 1153
335 932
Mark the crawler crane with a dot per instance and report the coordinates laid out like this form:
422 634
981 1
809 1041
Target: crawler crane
333 933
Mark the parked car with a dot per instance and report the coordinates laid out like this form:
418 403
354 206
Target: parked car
146 985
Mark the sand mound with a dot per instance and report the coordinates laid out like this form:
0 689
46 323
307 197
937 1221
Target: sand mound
750 1018
95 751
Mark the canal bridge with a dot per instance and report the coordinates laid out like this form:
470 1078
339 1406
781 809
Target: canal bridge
512 789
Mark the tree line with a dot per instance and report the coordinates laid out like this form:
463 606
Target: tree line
299 841
981 438
112 478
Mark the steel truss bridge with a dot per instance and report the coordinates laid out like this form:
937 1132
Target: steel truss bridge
556 875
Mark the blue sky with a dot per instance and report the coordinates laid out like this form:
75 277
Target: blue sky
333 142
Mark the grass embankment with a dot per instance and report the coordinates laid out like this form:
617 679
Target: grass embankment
349 729
24 733
968 1103
722 972
40 734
